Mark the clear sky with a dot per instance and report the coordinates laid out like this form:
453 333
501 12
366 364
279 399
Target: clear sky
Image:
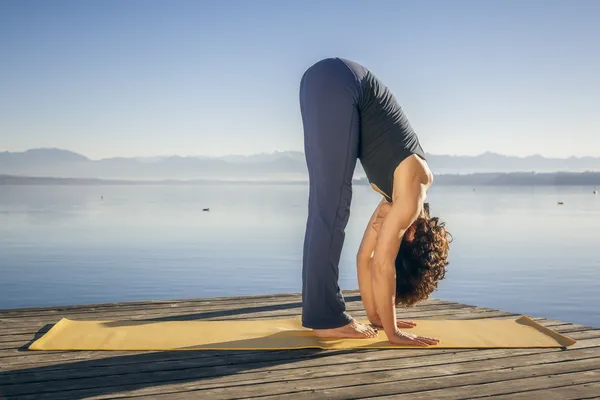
143 77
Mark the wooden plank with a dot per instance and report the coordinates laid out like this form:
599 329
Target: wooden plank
282 389
570 392
350 296
261 368
205 312
542 380
412 386
321 377
567 392
358 312
34 326
222 300
148 307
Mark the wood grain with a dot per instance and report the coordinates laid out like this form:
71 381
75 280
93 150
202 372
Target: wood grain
298 374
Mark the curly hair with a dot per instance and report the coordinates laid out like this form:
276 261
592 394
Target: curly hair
422 260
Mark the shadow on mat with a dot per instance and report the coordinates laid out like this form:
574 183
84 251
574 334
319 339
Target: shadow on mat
206 371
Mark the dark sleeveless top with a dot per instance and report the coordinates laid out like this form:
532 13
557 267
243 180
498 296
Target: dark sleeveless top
386 137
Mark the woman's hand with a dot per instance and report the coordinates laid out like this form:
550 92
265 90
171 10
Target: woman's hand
408 339
376 322
382 211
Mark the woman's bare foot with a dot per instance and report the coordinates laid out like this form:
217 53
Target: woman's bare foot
354 330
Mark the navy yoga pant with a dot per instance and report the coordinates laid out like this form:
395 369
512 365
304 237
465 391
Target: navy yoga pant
329 92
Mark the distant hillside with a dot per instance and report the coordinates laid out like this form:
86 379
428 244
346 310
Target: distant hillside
278 165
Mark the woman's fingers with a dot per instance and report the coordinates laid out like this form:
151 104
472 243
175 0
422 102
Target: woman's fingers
429 341
416 342
419 343
376 226
405 338
405 324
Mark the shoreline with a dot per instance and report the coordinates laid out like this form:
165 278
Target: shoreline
591 179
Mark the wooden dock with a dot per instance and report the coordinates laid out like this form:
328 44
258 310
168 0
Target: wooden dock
414 374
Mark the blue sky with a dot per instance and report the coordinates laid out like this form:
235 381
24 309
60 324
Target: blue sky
138 78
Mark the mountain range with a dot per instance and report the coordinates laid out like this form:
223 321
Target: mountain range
284 165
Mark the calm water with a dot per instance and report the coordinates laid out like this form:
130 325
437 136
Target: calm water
515 249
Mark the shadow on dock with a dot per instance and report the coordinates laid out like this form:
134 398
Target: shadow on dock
143 370
227 313
303 374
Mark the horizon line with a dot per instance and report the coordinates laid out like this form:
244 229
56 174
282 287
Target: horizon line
490 152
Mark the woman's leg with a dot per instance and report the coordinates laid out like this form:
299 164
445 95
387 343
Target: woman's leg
328 95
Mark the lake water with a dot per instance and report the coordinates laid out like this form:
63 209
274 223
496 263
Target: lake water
514 248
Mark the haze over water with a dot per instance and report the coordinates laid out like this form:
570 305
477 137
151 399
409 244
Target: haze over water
514 249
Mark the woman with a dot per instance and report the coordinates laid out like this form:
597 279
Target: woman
348 114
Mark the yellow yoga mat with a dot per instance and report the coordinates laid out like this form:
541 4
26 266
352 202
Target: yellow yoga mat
279 334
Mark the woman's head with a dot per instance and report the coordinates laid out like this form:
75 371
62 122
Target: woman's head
422 259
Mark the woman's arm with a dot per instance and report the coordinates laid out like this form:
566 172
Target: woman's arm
363 260
404 211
